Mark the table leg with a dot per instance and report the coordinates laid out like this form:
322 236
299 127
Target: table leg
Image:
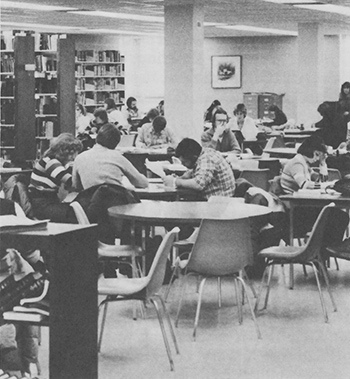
291 242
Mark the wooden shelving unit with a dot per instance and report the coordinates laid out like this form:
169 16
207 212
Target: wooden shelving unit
99 75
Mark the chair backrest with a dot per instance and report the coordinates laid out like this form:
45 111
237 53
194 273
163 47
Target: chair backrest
333 173
259 178
270 143
16 189
155 276
223 247
279 141
274 165
80 213
314 243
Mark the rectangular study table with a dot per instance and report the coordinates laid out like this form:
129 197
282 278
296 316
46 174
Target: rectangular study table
281 152
71 252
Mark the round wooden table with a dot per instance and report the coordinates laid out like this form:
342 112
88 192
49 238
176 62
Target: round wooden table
184 212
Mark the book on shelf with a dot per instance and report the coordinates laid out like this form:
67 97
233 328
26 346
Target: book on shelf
22 316
15 224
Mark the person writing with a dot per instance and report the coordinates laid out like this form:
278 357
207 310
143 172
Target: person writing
219 137
156 135
278 118
243 123
49 174
208 172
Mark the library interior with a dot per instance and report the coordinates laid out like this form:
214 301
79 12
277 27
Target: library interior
190 156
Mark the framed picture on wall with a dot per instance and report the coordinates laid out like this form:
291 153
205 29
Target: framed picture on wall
226 71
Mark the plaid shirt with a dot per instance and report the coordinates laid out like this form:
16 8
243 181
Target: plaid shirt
213 174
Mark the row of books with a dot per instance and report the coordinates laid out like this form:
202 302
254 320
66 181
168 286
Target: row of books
44 63
46 128
98 84
100 70
99 98
46 105
98 55
46 85
44 41
7 86
7 63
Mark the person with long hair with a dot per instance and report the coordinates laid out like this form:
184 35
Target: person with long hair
344 100
115 116
278 118
209 112
243 123
82 120
51 173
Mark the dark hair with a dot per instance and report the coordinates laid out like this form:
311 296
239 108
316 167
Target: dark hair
159 123
218 110
110 103
188 148
209 112
108 136
312 144
129 101
81 108
102 114
152 113
161 103
323 108
343 86
240 108
62 146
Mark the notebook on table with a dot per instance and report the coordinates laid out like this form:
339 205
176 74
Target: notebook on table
127 140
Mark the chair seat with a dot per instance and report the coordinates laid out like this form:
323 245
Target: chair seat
341 251
112 251
122 286
281 252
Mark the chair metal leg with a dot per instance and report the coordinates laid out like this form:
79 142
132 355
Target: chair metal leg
320 292
201 287
219 291
326 279
184 285
104 314
250 284
305 272
251 308
267 268
336 263
172 332
175 269
239 303
166 342
268 285
291 276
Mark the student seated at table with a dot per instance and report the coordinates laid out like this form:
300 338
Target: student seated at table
298 174
243 123
103 164
49 174
156 135
208 172
278 118
115 116
150 116
219 136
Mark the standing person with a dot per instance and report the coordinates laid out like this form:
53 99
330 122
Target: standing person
344 100
243 123
49 174
278 118
115 116
156 135
219 136
208 172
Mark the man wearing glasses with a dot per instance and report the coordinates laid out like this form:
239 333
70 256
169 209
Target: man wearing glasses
219 136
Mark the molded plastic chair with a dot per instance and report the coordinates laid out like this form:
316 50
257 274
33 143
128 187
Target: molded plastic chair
333 173
259 178
146 289
309 254
341 251
222 249
111 252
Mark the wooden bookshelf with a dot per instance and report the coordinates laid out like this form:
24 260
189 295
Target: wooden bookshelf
99 75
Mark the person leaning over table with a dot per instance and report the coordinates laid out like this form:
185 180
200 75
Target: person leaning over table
279 118
208 172
156 135
219 136
49 174
150 116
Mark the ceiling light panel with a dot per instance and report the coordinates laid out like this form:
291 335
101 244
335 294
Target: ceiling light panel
34 6
122 16
249 28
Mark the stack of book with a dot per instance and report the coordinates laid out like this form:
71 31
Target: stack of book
25 299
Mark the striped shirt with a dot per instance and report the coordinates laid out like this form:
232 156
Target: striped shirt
48 175
214 174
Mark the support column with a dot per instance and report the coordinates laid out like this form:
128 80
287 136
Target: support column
311 71
184 68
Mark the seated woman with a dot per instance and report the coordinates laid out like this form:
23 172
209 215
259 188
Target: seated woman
131 113
243 123
279 118
51 173
115 116
156 135
220 137
344 100
82 120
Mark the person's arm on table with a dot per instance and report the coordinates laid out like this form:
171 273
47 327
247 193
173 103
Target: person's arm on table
136 178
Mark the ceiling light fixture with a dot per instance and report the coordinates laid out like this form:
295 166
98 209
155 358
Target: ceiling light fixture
23 25
248 28
115 31
330 8
123 16
33 6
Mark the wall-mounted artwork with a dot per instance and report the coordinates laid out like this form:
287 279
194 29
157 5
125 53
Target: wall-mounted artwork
226 71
